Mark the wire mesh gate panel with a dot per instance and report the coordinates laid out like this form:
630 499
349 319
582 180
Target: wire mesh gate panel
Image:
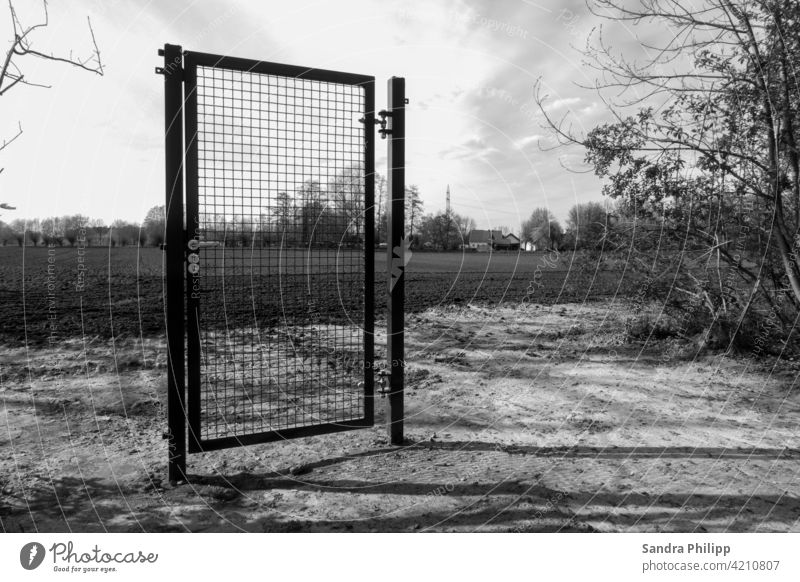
279 206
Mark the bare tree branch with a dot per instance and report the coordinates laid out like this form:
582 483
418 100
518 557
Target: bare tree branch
8 142
21 46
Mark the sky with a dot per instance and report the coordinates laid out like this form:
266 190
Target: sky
94 144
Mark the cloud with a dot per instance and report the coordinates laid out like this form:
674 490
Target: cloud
564 102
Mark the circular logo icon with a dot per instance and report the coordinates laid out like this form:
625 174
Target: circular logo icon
31 555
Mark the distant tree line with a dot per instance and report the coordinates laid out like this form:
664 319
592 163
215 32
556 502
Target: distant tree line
75 230
323 217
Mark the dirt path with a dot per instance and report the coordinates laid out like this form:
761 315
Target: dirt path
519 419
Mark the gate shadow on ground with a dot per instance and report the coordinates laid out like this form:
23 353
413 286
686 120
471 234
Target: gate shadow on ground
285 479
495 503
612 452
520 503
500 505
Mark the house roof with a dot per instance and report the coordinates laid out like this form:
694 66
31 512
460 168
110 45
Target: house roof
487 236
480 236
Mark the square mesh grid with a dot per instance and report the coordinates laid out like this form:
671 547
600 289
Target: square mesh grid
281 223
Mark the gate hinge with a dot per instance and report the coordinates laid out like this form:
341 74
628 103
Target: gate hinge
384 130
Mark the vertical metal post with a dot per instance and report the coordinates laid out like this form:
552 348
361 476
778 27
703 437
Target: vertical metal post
174 237
396 258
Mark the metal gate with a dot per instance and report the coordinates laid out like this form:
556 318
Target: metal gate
277 253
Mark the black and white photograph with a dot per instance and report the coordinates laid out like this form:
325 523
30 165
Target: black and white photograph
457 266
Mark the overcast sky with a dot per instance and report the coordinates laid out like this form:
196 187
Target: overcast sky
94 145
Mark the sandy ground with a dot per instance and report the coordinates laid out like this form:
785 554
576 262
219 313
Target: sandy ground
519 419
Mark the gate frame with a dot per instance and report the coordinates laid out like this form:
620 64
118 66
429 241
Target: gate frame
181 309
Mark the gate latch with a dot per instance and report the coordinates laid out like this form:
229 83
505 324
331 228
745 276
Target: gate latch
383 382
